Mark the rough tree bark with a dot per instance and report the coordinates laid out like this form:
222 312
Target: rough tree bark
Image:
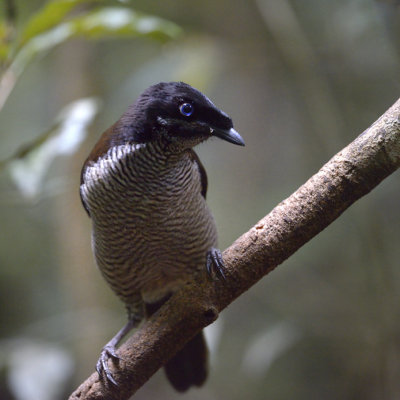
349 175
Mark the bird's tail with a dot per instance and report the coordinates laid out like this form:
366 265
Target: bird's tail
189 367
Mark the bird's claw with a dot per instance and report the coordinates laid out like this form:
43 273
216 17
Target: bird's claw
215 264
102 364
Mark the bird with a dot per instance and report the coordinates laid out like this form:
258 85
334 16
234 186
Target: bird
144 189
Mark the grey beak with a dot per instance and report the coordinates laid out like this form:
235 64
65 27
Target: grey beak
230 135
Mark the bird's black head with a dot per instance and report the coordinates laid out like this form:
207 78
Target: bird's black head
177 112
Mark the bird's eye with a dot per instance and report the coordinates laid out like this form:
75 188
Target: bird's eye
186 109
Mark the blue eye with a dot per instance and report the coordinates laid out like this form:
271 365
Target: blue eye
186 109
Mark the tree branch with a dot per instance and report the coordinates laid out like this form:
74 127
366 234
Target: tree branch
349 175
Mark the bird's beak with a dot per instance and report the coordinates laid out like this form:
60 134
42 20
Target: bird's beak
230 135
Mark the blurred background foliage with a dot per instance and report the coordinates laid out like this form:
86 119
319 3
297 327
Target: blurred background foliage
300 79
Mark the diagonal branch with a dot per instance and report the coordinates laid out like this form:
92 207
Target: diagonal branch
349 175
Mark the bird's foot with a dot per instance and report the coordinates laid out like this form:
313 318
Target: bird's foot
109 350
102 364
215 264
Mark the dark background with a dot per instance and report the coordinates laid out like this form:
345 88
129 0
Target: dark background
300 79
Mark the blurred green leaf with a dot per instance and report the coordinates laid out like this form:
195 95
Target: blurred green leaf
29 166
3 31
101 23
49 16
4 49
4 46
120 22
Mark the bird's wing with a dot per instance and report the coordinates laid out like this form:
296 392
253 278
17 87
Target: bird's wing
85 206
202 171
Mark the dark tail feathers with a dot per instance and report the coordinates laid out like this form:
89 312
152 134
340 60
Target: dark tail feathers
189 366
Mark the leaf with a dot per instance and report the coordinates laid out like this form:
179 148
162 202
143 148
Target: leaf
122 22
49 16
29 166
4 49
100 23
39 44
4 46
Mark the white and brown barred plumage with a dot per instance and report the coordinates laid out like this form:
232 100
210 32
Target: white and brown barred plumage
144 188
151 225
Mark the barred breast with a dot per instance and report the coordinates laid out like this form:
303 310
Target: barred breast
151 225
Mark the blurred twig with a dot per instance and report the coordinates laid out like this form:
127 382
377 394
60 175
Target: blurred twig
349 175
28 147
